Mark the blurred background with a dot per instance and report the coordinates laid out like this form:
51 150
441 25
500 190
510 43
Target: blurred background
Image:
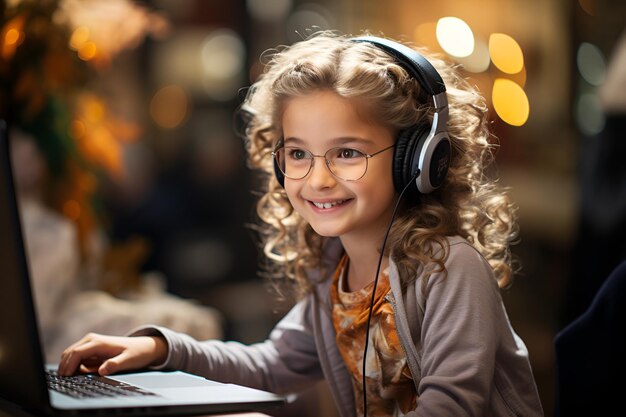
136 200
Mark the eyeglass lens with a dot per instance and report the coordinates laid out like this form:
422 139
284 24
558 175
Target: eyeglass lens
345 163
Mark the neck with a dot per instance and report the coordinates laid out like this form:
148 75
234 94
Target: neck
363 263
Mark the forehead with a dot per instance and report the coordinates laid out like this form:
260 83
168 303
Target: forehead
325 117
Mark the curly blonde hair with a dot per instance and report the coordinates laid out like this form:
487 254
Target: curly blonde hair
469 203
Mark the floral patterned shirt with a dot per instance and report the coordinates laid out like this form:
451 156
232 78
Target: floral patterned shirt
390 388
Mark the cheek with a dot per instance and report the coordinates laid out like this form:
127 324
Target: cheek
292 190
383 173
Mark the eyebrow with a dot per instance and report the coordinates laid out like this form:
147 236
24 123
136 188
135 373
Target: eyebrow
343 140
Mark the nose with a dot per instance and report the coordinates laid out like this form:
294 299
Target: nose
320 175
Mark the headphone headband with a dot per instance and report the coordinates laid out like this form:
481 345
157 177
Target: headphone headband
417 66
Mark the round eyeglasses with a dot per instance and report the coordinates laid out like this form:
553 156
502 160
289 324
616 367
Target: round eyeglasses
347 164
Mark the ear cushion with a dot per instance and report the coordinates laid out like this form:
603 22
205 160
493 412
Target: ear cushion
408 143
280 177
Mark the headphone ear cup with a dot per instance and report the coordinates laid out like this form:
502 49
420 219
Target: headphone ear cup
280 177
398 159
436 163
406 147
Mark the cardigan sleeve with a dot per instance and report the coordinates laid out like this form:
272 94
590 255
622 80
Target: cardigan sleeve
463 315
286 362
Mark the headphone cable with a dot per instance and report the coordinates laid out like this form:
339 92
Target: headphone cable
380 260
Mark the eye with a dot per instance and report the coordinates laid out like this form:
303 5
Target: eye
349 153
298 154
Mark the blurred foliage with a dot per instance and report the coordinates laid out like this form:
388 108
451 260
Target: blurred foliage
51 52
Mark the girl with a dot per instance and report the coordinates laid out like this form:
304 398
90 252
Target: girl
332 121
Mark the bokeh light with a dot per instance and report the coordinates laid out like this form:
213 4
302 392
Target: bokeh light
169 106
477 61
268 10
510 102
591 63
307 17
94 110
79 37
455 36
589 115
88 51
11 37
222 56
506 54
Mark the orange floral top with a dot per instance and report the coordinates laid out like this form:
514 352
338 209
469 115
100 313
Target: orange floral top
390 388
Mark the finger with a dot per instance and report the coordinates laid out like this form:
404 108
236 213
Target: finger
64 368
90 365
70 363
68 351
88 369
91 352
86 338
121 362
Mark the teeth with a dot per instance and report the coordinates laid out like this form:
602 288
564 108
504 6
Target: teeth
327 205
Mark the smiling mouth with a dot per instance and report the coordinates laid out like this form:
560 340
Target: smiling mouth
328 204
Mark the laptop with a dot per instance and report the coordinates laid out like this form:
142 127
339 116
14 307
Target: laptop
23 376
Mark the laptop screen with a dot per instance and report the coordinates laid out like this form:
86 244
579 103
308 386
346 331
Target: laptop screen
21 360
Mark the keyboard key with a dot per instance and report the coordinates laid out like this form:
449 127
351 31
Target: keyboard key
91 386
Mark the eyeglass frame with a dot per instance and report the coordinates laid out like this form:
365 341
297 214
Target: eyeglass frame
313 156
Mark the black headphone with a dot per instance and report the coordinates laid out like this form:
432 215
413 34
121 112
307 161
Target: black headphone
422 151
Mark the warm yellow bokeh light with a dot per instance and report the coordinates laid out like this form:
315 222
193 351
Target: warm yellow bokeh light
11 37
479 60
94 110
510 102
506 54
79 37
455 37
88 51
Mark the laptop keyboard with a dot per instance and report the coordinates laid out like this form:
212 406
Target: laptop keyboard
91 386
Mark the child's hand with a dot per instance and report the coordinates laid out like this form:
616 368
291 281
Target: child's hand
109 354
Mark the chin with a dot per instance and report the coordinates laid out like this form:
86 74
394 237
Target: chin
325 232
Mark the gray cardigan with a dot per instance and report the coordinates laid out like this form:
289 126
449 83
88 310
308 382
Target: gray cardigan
464 357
